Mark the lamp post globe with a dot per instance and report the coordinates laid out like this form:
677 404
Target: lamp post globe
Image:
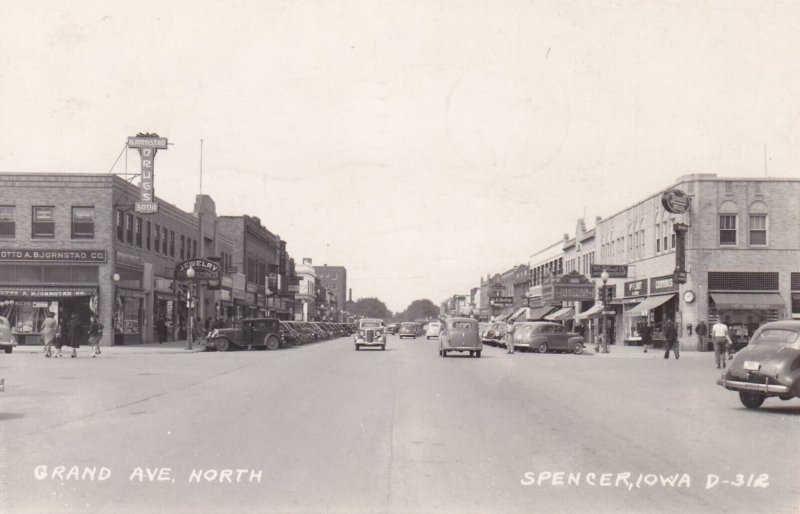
115 277
190 335
190 272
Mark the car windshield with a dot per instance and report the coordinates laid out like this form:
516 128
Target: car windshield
407 325
462 324
371 324
776 336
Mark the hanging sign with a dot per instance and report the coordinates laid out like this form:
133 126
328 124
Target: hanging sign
147 144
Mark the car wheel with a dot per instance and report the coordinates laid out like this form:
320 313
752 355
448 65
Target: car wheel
9 349
751 400
577 348
222 344
478 354
358 347
383 347
444 353
273 343
471 354
542 348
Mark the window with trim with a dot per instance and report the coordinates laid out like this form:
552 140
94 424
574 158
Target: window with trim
44 223
172 243
129 228
183 247
157 241
148 235
758 229
8 222
194 249
139 232
120 225
727 229
83 223
164 240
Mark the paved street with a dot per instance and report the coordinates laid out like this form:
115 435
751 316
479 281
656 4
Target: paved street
322 428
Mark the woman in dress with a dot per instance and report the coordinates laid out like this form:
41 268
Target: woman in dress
49 330
95 334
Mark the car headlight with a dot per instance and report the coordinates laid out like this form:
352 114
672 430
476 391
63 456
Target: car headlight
214 333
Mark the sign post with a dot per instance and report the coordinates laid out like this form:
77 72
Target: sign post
147 144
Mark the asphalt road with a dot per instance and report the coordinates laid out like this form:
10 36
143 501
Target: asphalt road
323 428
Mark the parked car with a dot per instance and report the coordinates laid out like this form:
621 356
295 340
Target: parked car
247 333
432 332
7 339
408 329
482 328
768 366
290 336
460 335
495 334
544 336
370 333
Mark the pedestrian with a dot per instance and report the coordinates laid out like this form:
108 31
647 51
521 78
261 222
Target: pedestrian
95 335
702 331
161 329
49 331
61 335
74 334
510 337
646 332
719 331
671 336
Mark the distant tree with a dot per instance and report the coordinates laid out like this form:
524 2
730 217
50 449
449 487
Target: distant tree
420 309
371 308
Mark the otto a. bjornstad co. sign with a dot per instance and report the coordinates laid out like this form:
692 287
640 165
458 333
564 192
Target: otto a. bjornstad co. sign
148 145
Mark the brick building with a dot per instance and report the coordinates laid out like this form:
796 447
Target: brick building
334 278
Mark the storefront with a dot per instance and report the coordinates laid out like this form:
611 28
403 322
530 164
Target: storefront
659 306
634 293
744 312
164 309
27 307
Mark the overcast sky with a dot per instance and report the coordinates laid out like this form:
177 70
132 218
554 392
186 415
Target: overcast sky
421 144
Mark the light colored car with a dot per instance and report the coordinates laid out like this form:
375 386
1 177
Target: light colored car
432 332
460 335
7 339
768 366
544 336
371 333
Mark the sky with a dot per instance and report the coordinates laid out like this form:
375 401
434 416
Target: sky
420 144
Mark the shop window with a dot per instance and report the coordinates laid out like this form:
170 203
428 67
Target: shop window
796 305
83 223
164 240
120 226
44 224
742 281
157 241
129 227
727 229
8 224
171 243
758 229
148 235
194 249
139 232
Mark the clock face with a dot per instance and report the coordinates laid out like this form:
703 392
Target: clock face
688 296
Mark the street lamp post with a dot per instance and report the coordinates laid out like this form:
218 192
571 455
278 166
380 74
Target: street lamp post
604 340
114 309
190 304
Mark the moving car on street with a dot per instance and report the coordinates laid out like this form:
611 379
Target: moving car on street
7 339
370 333
408 329
495 334
460 335
544 336
432 332
768 366
247 333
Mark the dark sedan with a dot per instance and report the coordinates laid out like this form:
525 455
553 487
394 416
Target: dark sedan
768 366
247 333
544 336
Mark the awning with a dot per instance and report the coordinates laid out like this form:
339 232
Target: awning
532 313
517 314
755 301
591 312
500 318
650 303
561 314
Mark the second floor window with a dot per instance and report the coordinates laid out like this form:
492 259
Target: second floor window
183 247
148 234
120 226
8 223
83 223
157 241
727 229
139 232
758 229
164 241
171 243
129 228
44 224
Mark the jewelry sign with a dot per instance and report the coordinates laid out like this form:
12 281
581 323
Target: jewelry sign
147 144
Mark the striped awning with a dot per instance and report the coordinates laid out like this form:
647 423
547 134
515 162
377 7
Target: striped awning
592 312
651 302
561 314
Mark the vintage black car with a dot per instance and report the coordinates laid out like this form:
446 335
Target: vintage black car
370 334
768 366
259 333
544 336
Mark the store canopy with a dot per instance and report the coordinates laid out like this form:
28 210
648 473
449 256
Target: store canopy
517 314
650 303
561 314
755 301
532 313
591 312
500 318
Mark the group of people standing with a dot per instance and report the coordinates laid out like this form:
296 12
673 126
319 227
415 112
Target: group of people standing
68 331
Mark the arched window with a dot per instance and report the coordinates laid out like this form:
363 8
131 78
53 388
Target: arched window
728 220
758 224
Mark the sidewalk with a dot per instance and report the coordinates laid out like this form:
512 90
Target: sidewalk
168 347
637 352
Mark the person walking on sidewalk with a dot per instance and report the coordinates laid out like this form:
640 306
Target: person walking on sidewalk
702 331
721 339
645 331
510 337
74 334
95 334
671 336
49 330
